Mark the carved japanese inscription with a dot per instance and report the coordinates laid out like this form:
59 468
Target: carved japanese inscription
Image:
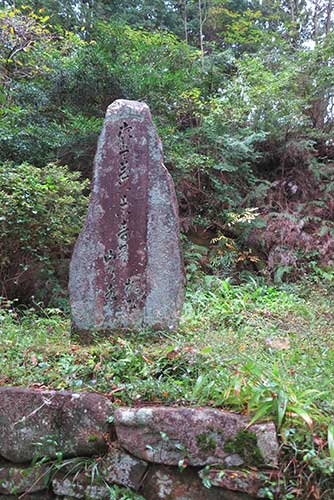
126 270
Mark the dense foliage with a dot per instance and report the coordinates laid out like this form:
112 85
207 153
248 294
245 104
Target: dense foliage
40 214
242 94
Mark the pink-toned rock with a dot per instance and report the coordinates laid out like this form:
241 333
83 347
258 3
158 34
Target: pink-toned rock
202 436
126 270
72 423
251 482
17 479
167 483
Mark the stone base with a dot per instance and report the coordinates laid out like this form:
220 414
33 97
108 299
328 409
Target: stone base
164 453
86 337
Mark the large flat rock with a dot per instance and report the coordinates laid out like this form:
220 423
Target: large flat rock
127 270
73 423
201 436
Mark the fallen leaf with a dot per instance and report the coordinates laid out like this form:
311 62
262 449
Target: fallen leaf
34 359
280 344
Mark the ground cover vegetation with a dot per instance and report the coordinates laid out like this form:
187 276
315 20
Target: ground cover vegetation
242 95
260 349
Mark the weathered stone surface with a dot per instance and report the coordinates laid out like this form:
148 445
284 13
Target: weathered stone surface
76 422
126 270
121 468
251 482
16 479
203 436
74 489
167 483
80 487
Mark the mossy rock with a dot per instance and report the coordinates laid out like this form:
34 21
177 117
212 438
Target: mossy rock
245 444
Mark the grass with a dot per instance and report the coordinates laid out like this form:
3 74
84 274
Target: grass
227 333
261 349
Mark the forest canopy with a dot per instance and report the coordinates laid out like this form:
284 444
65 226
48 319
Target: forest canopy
241 93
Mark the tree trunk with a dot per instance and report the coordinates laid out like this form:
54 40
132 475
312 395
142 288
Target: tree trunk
316 20
201 22
329 16
292 11
185 20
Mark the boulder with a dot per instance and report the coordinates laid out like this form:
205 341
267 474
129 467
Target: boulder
43 423
80 487
123 469
200 436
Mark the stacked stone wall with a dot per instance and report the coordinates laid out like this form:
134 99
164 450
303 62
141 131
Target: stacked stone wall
65 445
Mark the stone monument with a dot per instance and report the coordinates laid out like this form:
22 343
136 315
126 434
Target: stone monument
126 269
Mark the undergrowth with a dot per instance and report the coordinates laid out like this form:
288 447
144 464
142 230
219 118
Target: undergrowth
255 348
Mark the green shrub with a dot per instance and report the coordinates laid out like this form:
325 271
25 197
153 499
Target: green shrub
41 211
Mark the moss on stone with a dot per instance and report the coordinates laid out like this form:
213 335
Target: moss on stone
206 441
245 444
93 438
